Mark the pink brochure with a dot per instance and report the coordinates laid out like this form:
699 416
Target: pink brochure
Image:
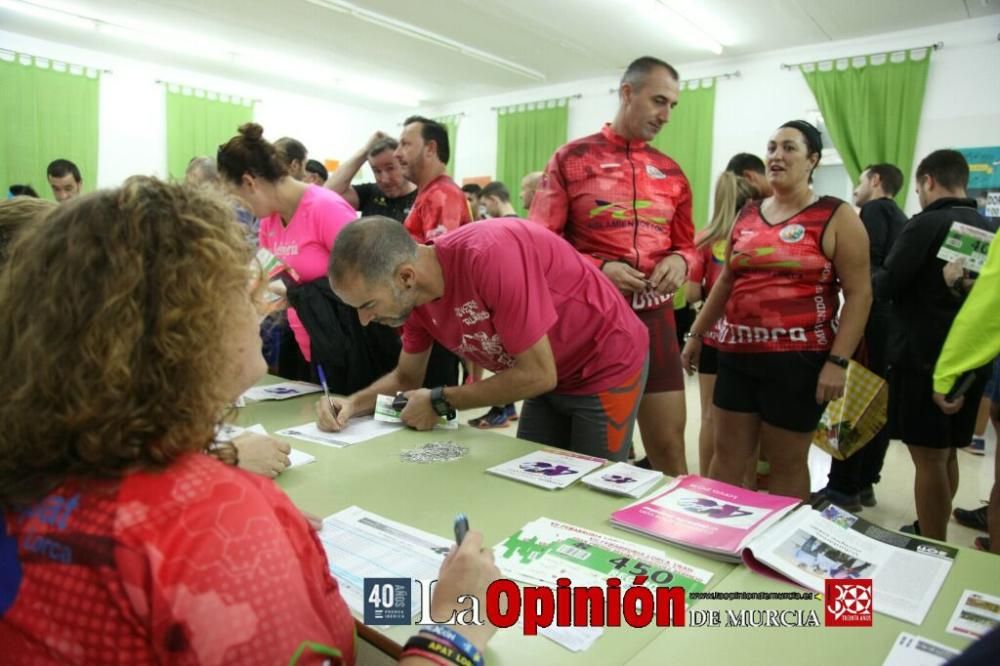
705 514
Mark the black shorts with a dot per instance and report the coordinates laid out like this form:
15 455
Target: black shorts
918 421
708 361
779 386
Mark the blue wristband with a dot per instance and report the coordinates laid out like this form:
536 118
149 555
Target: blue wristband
462 643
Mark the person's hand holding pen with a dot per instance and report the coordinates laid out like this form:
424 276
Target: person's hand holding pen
468 569
332 413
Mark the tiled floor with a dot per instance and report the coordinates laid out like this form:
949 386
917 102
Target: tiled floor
894 493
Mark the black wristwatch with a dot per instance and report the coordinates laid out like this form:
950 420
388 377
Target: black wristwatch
838 360
440 404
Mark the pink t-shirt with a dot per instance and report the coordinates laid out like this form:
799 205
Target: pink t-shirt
508 282
305 244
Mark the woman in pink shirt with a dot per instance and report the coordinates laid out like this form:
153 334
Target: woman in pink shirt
298 222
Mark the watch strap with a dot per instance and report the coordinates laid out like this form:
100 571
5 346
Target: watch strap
838 360
440 404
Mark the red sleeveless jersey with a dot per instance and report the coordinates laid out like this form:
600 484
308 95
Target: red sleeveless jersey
785 294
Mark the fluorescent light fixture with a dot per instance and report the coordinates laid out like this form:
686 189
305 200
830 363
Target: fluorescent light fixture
312 74
185 43
382 91
684 28
168 40
417 32
50 15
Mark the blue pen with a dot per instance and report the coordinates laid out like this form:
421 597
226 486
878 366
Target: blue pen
461 527
326 389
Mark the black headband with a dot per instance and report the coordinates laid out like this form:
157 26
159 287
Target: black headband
813 139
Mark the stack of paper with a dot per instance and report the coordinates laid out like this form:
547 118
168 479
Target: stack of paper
705 515
548 468
281 391
623 479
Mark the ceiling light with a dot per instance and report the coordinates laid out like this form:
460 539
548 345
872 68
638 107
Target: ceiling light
417 32
189 44
308 72
167 40
50 15
683 27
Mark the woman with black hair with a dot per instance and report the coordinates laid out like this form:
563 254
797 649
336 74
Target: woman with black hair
782 352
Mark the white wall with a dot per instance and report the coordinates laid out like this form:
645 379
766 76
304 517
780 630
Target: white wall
961 103
132 114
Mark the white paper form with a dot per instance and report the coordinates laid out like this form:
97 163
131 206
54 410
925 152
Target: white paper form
357 431
910 650
360 544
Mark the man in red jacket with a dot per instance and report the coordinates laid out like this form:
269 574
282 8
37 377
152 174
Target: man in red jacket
627 207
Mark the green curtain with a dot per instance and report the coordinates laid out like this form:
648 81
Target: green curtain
451 124
687 138
46 114
873 110
198 123
527 136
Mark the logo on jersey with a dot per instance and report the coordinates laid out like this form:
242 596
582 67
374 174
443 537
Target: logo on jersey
759 258
719 248
653 172
625 210
484 345
470 313
793 233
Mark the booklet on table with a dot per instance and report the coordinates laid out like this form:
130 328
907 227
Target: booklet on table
548 468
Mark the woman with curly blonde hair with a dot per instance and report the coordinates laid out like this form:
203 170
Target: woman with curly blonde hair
130 327
17 213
